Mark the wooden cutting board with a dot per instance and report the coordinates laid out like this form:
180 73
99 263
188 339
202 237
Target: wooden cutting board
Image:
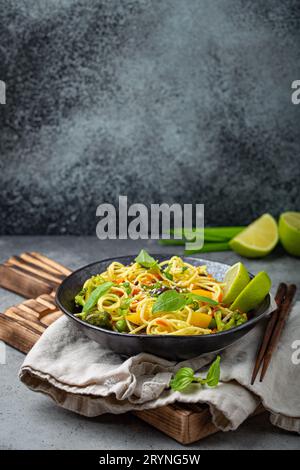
36 277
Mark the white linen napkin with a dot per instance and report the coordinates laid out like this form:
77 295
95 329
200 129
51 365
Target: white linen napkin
82 376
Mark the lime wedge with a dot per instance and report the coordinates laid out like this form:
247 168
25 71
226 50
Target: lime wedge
253 294
236 279
258 239
289 232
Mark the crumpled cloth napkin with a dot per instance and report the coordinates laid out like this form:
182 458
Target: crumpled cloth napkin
82 376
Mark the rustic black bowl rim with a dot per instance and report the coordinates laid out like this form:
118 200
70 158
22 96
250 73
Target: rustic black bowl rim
144 336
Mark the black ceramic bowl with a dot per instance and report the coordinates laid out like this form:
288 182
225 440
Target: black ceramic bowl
170 347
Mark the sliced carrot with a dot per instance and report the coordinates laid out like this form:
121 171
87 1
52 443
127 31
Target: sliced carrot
117 291
135 290
162 322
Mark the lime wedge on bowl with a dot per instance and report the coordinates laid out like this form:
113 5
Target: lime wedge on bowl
253 294
236 279
258 239
289 232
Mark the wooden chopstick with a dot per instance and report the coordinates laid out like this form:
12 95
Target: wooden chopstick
283 314
280 295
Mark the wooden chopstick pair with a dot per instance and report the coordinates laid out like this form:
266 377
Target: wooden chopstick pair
284 299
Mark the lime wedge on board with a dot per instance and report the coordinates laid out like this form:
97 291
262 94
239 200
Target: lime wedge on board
289 232
253 294
258 239
236 279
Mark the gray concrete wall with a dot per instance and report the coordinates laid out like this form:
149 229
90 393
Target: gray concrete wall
163 101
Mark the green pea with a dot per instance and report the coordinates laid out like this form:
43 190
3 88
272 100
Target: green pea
121 326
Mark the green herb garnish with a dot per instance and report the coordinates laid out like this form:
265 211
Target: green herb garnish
185 376
168 275
145 260
95 295
169 301
127 287
201 298
172 300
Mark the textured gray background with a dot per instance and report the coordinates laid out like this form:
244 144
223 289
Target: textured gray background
172 100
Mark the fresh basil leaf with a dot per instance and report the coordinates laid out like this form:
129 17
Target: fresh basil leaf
182 379
191 297
169 301
145 260
154 268
185 376
95 295
213 374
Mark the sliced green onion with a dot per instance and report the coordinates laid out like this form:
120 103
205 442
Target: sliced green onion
209 248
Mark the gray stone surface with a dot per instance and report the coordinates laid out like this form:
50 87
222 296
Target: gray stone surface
185 101
31 421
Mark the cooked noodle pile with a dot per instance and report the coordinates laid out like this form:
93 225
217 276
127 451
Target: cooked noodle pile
171 297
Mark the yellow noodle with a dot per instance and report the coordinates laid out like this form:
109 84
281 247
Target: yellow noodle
130 297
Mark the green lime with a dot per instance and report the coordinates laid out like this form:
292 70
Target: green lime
258 239
236 279
253 294
289 232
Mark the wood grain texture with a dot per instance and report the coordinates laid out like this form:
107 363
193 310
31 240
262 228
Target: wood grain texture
20 282
184 423
34 275
22 325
